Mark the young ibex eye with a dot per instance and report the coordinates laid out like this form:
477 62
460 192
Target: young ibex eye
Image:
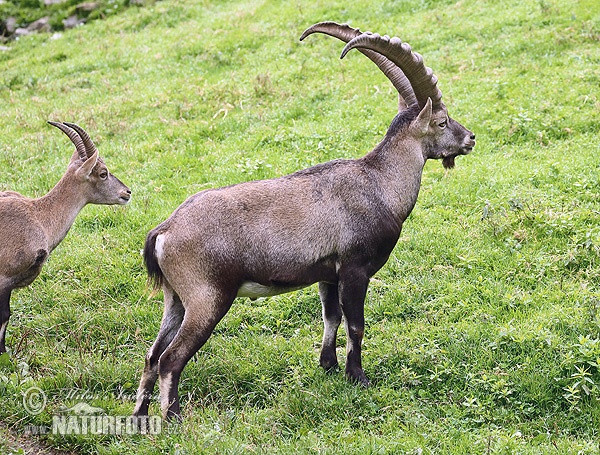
443 124
103 175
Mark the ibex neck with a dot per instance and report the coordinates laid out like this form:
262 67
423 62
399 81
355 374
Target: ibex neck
399 167
58 209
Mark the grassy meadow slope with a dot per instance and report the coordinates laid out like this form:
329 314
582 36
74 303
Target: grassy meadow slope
483 329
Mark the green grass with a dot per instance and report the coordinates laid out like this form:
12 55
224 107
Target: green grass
483 328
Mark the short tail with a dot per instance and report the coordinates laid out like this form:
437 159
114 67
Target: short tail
155 274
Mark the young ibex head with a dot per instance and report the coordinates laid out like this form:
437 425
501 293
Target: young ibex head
443 137
87 166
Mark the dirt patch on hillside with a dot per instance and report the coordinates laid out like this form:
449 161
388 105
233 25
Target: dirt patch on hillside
25 444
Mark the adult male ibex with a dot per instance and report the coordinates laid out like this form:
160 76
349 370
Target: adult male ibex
31 228
334 223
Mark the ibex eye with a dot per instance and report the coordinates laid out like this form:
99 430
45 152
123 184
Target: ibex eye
104 175
443 124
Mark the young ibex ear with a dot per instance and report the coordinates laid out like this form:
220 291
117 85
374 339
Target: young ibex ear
421 124
88 165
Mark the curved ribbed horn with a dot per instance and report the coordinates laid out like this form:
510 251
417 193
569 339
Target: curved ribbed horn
76 139
346 33
87 140
423 81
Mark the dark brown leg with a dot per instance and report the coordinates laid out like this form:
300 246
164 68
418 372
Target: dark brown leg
332 317
204 308
171 322
4 316
353 289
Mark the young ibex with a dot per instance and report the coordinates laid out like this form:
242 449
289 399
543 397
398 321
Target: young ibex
335 224
31 228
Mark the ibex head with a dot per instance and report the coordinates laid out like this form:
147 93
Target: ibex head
443 137
100 186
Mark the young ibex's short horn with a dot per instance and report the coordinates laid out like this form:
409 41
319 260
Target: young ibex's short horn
76 139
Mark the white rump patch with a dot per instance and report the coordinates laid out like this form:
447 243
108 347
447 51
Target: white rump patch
159 245
255 290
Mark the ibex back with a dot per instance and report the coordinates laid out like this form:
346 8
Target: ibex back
334 224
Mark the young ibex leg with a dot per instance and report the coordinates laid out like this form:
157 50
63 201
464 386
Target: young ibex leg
204 309
171 322
4 316
353 289
332 317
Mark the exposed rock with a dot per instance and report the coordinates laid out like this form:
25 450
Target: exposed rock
22 32
88 7
10 28
41 25
9 25
73 21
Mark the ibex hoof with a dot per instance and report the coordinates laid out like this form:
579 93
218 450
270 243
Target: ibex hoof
358 377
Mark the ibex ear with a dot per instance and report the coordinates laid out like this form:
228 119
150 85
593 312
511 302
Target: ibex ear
421 124
88 165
